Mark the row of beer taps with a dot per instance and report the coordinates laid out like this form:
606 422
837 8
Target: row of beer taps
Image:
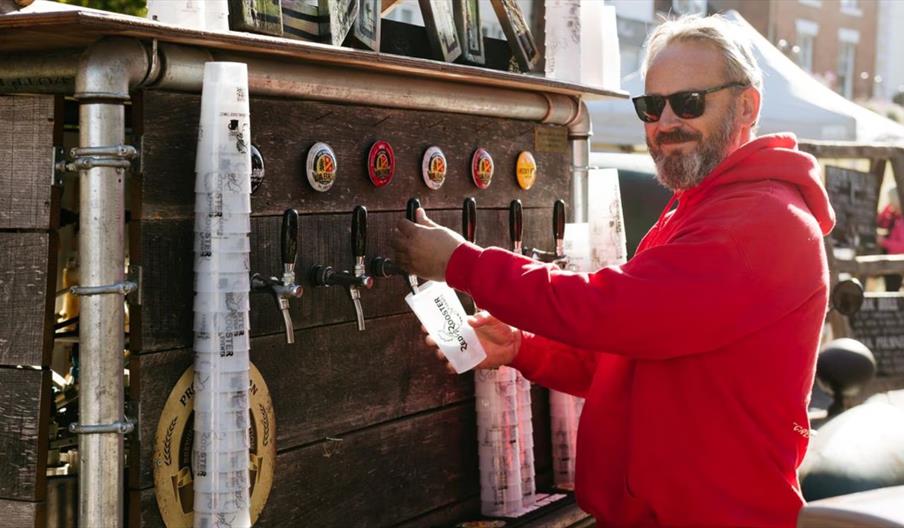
361 276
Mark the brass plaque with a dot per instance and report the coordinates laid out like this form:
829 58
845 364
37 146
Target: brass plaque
551 139
173 445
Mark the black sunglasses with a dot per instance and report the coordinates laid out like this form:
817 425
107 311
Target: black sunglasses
686 105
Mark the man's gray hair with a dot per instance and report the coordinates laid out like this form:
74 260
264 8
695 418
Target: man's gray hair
716 30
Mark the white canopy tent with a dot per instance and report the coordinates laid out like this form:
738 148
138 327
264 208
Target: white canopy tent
793 101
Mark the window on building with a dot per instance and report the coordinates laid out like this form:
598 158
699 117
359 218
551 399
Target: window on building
689 7
846 53
851 7
806 36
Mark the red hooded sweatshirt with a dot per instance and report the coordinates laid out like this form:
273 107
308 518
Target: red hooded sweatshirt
696 358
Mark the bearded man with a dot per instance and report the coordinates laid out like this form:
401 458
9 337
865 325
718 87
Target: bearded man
697 357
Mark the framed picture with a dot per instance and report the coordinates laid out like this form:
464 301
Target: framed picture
342 15
470 34
517 32
367 26
440 23
302 19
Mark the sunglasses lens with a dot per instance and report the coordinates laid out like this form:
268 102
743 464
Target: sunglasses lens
688 105
649 107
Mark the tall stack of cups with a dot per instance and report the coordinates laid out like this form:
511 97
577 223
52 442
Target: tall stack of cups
525 441
564 414
210 15
498 443
222 286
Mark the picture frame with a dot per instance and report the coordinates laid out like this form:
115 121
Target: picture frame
517 31
366 30
439 20
342 15
470 32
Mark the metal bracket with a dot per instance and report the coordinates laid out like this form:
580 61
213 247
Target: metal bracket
124 426
59 155
135 276
122 288
85 158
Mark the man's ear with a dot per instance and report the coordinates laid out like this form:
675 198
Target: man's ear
750 106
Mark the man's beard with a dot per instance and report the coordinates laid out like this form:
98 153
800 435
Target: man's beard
681 171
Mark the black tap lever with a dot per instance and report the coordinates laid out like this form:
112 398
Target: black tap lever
516 225
353 280
384 267
284 288
557 256
469 219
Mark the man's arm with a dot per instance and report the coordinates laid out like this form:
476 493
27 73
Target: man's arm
555 365
693 295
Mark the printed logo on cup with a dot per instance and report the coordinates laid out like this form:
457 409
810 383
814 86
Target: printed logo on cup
433 168
321 167
452 323
482 168
526 170
381 163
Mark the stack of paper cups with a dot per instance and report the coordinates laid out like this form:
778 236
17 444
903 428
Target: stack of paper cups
525 441
210 15
564 413
498 443
222 286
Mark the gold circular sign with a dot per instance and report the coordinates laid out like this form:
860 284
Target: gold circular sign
526 170
173 447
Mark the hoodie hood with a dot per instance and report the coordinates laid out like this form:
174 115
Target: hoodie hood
777 156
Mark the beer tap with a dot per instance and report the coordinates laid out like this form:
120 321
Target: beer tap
384 267
516 225
285 288
353 280
558 256
469 219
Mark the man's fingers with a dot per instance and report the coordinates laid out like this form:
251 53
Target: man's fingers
430 341
422 218
480 319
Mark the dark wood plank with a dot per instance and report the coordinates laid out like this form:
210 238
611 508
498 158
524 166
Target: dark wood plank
26 298
21 514
331 381
24 408
165 249
375 477
26 142
286 129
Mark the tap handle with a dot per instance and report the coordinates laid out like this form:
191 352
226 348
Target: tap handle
558 220
469 219
289 236
359 231
516 221
411 209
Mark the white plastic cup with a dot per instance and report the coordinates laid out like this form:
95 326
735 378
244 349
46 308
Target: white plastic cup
439 310
231 480
221 381
222 421
222 202
209 322
223 262
222 302
221 502
215 181
232 242
222 441
239 281
238 223
226 401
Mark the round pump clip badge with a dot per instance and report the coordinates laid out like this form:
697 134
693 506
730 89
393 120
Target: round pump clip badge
381 163
321 167
526 170
482 168
433 168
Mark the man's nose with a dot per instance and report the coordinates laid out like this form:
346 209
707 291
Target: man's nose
668 120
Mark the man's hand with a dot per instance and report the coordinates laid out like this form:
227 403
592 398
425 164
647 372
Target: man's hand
424 248
500 341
